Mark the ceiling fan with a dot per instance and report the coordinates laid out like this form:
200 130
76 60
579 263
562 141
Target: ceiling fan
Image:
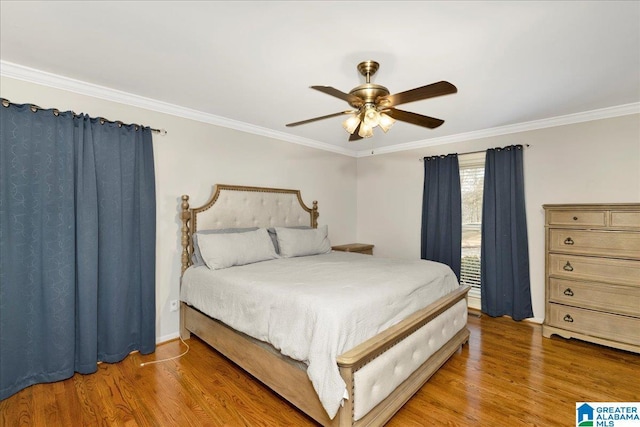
374 106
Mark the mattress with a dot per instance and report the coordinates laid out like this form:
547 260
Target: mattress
314 308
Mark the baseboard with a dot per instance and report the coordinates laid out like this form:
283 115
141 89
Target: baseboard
165 338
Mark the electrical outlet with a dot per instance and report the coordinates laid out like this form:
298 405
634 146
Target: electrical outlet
173 305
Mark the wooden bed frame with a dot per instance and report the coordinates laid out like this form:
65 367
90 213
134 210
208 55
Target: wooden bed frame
277 371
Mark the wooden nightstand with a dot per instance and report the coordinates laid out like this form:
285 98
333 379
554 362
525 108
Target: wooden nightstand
361 248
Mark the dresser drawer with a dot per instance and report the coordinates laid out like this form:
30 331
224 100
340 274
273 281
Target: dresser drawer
623 244
615 327
576 217
617 271
618 299
625 219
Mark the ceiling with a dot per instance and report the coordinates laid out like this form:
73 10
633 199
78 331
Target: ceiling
250 64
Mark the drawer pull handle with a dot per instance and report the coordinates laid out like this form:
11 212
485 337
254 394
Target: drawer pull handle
568 318
568 292
575 218
568 267
568 241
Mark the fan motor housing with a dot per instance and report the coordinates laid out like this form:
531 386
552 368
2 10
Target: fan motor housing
368 92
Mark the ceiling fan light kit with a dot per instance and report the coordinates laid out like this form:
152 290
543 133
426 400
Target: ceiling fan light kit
374 106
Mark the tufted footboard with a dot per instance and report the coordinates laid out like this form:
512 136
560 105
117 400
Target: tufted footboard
387 370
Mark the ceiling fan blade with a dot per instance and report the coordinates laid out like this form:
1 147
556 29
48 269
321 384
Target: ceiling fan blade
351 99
413 118
320 118
354 136
417 94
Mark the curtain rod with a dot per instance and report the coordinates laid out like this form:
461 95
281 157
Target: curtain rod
421 159
6 103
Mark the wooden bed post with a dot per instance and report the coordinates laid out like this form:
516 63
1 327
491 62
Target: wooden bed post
345 413
185 216
314 214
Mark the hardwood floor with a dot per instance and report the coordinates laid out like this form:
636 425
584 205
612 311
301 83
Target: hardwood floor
508 375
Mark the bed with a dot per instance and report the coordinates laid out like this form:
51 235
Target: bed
378 369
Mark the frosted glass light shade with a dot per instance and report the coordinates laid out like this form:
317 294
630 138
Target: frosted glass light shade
371 116
351 123
386 122
365 131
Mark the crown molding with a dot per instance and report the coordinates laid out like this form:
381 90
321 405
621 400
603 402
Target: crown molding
603 113
19 72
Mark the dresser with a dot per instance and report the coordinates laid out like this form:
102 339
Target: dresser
593 273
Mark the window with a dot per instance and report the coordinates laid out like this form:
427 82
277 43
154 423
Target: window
471 186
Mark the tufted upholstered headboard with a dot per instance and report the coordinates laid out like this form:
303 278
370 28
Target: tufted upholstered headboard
234 206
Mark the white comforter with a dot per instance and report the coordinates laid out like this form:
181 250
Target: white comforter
315 308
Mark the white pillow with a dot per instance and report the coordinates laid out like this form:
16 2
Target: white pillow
293 242
226 250
196 258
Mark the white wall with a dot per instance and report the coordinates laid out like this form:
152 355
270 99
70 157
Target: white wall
193 156
597 161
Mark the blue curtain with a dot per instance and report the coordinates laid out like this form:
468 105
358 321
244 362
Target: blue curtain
77 244
441 237
504 249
